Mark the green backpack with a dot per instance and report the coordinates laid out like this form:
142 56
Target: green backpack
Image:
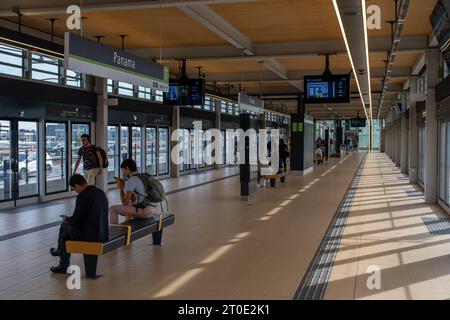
154 191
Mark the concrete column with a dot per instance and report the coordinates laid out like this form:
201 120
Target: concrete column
413 134
398 142
403 145
388 141
432 60
394 139
382 140
101 127
174 168
403 136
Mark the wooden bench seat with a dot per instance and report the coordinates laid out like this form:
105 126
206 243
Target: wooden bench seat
273 178
120 235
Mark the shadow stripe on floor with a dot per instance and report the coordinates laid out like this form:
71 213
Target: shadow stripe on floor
314 282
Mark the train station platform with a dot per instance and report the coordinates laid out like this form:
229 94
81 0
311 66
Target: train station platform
300 240
220 247
390 226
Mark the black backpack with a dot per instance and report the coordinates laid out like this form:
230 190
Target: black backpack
104 157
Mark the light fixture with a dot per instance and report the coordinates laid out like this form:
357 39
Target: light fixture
344 35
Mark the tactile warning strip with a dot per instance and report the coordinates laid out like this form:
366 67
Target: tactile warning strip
437 226
314 282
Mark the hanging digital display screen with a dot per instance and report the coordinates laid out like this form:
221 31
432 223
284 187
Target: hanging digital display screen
186 93
327 89
358 123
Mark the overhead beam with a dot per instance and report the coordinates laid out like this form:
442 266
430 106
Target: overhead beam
107 7
215 23
292 75
290 50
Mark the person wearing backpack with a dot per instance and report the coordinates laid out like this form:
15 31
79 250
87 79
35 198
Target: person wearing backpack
93 162
135 198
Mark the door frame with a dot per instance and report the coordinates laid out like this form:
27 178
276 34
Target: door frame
68 173
14 155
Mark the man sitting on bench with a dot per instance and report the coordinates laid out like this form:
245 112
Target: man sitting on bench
89 221
131 195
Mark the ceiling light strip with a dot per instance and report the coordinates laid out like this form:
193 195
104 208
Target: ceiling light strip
403 11
366 39
344 35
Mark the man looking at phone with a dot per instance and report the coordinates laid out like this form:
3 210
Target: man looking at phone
89 221
131 193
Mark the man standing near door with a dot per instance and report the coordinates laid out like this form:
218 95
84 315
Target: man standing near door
92 160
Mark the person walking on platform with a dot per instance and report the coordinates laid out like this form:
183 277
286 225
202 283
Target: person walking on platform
132 194
284 154
89 221
92 160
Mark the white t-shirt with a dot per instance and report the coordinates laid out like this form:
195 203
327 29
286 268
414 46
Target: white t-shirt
135 185
319 152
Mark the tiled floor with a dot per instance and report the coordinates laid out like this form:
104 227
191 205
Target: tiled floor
49 212
385 229
219 248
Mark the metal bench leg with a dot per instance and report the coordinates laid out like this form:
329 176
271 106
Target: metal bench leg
157 238
90 266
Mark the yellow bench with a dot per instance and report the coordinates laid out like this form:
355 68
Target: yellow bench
273 178
119 235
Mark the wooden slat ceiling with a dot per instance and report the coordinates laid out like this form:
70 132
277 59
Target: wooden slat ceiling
221 66
417 21
142 26
263 22
272 21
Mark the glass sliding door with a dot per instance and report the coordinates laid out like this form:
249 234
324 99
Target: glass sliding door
442 162
124 143
193 164
78 129
113 153
448 166
28 159
421 155
201 159
207 155
181 148
6 175
136 147
163 151
186 149
151 151
56 153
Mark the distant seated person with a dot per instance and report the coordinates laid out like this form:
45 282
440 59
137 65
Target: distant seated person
89 221
319 154
132 196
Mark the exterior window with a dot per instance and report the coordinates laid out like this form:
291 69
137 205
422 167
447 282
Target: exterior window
73 79
125 89
11 61
144 93
207 103
236 109
159 96
45 68
110 86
